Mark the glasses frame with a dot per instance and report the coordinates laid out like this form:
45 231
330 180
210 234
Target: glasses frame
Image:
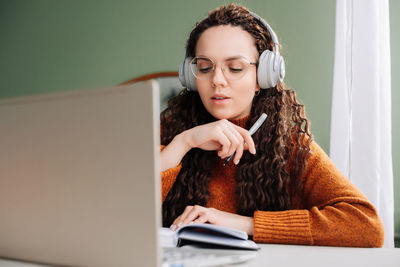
227 76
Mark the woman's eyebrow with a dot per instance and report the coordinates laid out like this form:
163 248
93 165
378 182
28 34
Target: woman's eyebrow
234 58
225 59
203 57
240 57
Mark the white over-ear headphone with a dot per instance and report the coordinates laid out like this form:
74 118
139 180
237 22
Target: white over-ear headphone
271 66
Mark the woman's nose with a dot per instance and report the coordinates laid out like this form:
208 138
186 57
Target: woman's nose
218 77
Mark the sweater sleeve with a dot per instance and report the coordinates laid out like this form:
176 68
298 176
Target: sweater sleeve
333 212
168 178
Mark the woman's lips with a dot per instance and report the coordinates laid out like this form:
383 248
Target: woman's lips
219 98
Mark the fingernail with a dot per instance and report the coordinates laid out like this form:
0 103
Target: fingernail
173 227
237 162
254 151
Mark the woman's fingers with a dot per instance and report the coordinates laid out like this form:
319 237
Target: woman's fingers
240 140
239 154
195 213
179 221
199 214
249 143
225 142
235 140
175 225
237 145
224 137
201 219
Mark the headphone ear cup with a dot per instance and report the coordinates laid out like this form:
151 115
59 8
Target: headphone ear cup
186 76
271 69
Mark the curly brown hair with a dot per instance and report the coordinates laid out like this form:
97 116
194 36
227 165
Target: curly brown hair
266 182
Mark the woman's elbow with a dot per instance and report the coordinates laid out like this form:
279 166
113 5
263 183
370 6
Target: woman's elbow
373 232
377 233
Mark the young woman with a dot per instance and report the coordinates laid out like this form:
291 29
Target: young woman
279 187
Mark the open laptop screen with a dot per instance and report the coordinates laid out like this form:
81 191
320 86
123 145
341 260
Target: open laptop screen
79 177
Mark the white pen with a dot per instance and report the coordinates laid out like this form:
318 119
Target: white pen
252 130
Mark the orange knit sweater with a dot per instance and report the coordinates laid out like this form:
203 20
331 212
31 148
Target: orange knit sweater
329 212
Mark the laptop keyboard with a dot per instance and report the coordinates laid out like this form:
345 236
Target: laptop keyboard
189 256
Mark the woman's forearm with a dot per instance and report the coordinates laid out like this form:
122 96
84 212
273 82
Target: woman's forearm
173 153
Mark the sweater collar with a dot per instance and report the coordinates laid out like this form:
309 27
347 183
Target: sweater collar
241 122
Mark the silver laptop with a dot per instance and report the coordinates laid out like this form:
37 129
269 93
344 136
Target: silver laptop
79 177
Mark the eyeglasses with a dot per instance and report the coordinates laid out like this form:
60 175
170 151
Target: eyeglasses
233 68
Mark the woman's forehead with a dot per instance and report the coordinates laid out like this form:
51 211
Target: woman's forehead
226 41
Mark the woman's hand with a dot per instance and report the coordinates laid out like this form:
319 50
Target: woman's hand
222 136
199 214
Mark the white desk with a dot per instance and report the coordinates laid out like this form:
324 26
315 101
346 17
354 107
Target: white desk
286 255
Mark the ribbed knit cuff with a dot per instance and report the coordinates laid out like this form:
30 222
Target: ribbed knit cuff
282 227
168 178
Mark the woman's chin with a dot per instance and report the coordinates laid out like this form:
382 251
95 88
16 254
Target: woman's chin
221 115
224 115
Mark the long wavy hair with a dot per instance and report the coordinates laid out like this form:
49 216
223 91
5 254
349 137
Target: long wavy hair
266 182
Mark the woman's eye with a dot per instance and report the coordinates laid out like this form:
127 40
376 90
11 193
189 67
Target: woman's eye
205 70
235 69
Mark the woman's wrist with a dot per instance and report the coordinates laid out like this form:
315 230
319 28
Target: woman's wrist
250 225
247 225
184 140
173 153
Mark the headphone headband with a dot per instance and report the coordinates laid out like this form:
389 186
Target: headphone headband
270 30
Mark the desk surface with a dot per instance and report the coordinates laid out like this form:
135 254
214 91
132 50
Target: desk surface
288 255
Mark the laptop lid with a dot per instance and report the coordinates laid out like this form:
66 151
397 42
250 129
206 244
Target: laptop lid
79 177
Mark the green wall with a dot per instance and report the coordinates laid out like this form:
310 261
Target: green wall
49 45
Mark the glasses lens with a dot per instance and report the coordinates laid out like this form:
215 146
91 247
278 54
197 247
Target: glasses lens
202 68
234 69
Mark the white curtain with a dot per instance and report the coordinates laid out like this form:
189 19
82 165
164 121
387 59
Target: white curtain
360 143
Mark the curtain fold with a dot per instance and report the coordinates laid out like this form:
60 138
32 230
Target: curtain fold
360 142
